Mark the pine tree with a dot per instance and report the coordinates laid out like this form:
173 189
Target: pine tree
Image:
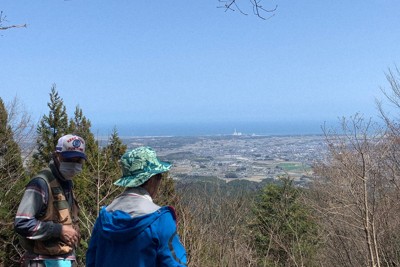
115 148
111 155
285 234
50 129
94 186
12 179
110 169
80 126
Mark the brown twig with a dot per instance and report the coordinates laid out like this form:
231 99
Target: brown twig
3 18
258 9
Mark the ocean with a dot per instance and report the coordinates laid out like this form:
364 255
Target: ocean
212 128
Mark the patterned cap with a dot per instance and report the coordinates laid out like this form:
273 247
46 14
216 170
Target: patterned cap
139 165
71 146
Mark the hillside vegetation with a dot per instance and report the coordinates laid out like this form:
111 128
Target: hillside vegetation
347 216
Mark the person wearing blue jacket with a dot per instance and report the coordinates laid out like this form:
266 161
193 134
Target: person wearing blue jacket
132 230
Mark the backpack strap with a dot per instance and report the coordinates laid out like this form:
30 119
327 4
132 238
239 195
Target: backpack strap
56 196
47 175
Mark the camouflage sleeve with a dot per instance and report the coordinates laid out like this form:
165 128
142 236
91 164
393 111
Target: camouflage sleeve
33 205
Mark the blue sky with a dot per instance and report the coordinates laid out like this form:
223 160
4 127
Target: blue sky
126 63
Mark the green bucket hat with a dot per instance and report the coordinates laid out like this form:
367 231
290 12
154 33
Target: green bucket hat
139 165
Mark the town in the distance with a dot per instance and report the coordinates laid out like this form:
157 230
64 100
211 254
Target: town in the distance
238 156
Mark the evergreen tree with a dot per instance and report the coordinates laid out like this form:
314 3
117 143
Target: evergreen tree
80 126
115 147
83 183
94 186
111 171
13 179
50 129
111 155
102 167
285 234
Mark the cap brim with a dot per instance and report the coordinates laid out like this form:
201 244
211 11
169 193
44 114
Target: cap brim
73 154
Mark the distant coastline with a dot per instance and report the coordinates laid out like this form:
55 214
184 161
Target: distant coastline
211 129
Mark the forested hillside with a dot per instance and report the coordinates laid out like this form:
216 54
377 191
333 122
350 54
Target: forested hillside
347 216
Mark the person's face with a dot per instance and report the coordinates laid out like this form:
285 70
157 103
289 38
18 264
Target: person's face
69 167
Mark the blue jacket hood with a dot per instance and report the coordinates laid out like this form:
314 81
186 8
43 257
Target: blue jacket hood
120 226
118 239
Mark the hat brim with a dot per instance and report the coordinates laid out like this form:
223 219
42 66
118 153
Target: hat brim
143 176
73 154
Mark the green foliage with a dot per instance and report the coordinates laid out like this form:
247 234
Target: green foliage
94 186
285 233
214 213
231 175
115 149
80 126
292 166
50 129
12 179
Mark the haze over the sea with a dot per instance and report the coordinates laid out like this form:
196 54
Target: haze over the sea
213 128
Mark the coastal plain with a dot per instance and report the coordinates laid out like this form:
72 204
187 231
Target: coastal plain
235 157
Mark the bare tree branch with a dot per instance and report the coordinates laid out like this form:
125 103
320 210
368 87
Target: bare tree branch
3 19
258 9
